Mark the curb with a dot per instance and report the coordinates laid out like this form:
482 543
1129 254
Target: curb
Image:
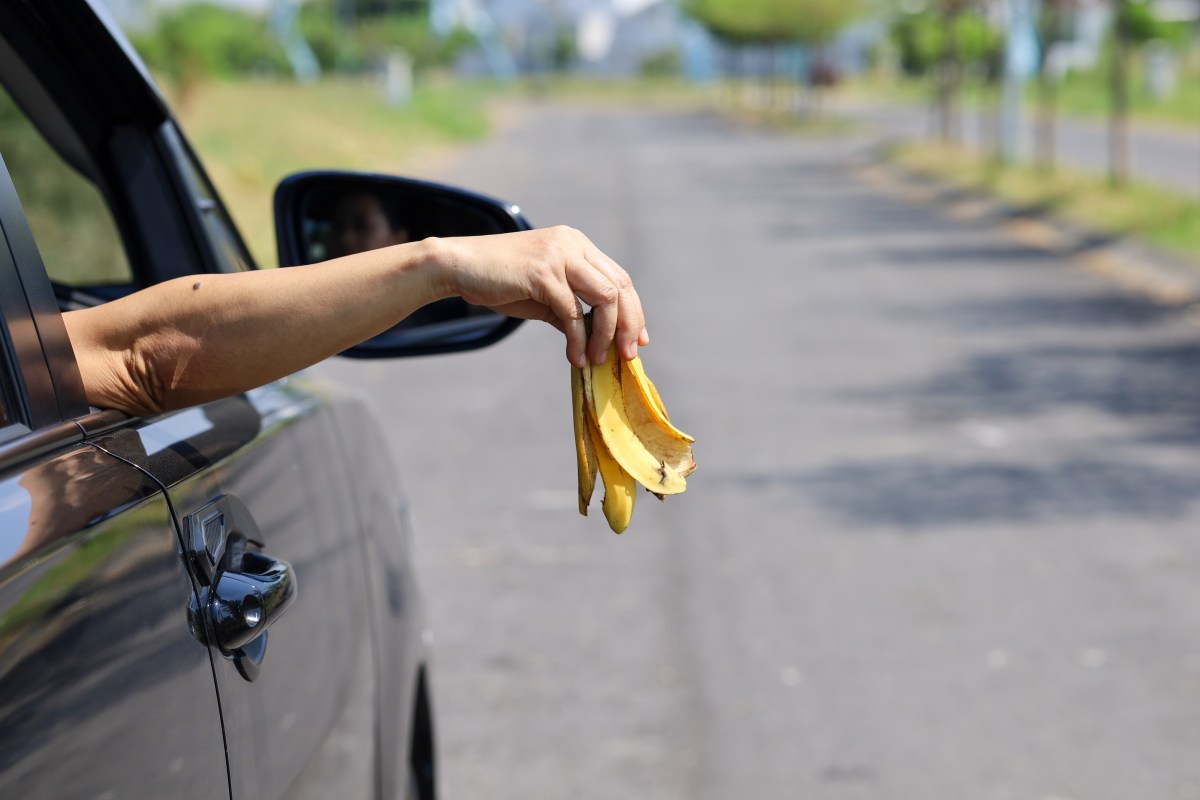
1165 277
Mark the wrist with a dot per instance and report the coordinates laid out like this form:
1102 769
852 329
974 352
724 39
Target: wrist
437 262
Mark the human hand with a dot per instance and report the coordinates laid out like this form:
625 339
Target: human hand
542 275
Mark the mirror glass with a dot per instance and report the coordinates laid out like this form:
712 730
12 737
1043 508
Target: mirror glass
342 215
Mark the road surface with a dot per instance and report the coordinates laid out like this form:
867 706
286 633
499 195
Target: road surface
943 542
1166 156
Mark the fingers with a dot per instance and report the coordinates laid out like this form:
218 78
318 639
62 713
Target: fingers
565 305
544 274
631 322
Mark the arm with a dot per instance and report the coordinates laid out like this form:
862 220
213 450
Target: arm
195 339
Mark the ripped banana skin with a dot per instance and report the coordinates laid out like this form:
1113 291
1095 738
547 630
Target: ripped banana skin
622 432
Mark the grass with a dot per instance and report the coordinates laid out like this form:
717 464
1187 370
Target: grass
1081 94
1162 217
252 134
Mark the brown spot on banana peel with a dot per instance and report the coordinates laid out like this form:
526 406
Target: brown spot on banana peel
671 452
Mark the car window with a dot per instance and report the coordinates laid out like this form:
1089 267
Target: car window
71 222
220 228
9 415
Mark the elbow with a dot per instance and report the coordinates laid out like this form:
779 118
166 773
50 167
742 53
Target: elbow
144 382
129 380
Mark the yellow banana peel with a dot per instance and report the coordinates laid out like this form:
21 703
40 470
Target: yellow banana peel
623 432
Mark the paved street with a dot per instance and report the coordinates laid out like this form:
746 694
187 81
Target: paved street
943 542
1168 157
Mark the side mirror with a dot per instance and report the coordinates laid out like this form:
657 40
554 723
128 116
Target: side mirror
324 215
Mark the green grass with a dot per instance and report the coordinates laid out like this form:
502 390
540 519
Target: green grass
252 134
1162 217
1082 94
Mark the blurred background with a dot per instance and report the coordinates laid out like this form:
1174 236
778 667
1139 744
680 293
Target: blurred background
922 278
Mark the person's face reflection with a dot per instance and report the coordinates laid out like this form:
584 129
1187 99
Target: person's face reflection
360 224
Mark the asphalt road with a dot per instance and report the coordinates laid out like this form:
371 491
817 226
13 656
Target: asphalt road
1161 155
942 542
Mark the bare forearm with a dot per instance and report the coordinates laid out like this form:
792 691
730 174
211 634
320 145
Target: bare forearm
197 339
205 337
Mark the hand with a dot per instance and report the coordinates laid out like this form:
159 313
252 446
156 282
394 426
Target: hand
542 275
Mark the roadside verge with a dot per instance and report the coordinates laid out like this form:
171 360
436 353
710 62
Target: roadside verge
1165 276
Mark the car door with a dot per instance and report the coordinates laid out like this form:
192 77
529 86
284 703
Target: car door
105 690
258 474
299 703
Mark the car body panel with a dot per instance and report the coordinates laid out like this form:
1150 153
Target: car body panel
311 709
107 683
98 665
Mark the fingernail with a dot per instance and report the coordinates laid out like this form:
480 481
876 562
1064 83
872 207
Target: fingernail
581 361
631 352
602 357
644 337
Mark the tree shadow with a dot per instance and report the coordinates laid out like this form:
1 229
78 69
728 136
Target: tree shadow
1107 309
920 493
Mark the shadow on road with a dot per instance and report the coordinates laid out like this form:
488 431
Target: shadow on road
1101 311
920 493
1150 390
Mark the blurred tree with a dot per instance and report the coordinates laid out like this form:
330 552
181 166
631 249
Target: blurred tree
351 35
1134 24
202 40
950 68
949 39
1052 29
774 24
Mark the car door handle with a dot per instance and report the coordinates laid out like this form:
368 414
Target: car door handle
242 605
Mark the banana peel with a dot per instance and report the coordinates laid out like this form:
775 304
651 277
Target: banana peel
622 431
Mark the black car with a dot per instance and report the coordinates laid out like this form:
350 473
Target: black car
215 602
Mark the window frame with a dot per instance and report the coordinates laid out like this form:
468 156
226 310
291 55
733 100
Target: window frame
41 362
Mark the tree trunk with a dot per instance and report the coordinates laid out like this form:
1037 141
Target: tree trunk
777 90
1047 136
1120 165
1047 124
950 74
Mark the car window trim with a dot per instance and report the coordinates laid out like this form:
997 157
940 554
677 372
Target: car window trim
204 213
67 398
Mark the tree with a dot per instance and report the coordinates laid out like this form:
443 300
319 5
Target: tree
946 39
950 68
1051 24
1134 24
773 24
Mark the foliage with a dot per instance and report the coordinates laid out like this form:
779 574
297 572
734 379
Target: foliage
921 39
811 22
378 36
75 233
1137 23
200 40
196 41
665 64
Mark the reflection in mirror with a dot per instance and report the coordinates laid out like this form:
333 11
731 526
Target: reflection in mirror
347 217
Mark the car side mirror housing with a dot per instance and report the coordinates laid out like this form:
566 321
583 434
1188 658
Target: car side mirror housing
327 214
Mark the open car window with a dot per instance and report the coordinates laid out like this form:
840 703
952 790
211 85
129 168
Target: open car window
71 221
